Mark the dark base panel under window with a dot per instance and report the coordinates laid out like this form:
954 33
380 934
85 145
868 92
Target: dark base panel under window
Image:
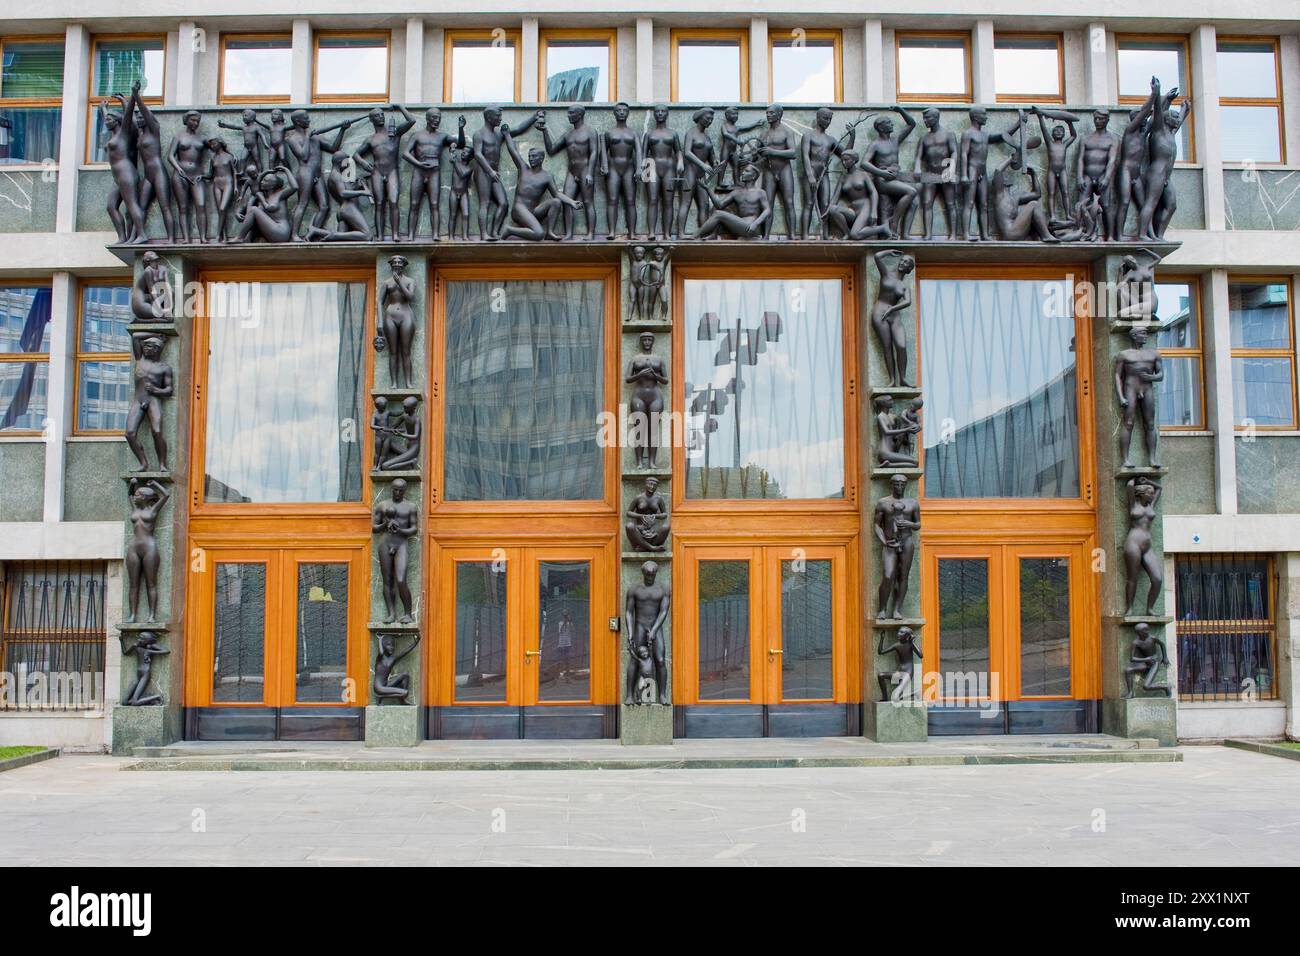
576 722
1017 717
759 720
275 723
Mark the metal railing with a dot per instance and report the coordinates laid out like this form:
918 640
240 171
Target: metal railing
1227 633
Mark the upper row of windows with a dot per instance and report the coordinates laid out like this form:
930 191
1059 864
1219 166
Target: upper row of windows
706 66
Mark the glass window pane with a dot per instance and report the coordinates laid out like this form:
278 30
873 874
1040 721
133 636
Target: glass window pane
1044 627
481 592
1029 66
807 631
1258 316
708 71
482 73
355 66
724 630
1250 134
239 633
1263 390
321 648
525 386
803 74
24 318
933 65
24 392
105 314
564 630
1141 60
1178 397
120 63
32 136
257 67
103 396
1247 71
1233 654
286 380
577 71
963 626
764 387
32 70
998 362
1176 310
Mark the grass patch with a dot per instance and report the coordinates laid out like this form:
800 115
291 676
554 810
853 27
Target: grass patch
8 753
1288 744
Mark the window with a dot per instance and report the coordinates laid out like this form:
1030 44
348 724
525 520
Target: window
1227 643
255 68
117 63
31 99
103 359
1164 57
577 66
933 67
1263 353
482 66
805 67
24 357
53 626
763 378
710 66
1250 101
1028 68
1180 399
286 382
350 67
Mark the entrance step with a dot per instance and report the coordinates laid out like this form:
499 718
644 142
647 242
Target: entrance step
822 752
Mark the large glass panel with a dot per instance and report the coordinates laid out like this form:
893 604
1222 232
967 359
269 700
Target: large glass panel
105 314
257 67
963 626
24 328
807 631
321 649
1263 390
1258 316
483 71
32 135
103 396
577 71
24 393
525 386
803 72
1176 310
1044 627
564 630
1247 70
24 318
724 630
32 70
932 65
239 633
764 388
998 366
1139 60
1250 134
352 66
1178 396
481 594
118 65
1026 66
708 71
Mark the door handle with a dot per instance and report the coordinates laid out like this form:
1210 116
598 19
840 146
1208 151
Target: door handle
528 654
773 650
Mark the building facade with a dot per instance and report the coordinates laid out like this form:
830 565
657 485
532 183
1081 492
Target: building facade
755 371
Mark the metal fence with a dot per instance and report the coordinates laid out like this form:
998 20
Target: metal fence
1227 634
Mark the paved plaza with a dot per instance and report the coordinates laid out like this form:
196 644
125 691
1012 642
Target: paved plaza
1217 807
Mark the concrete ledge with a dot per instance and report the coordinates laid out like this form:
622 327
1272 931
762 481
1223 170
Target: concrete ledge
61 541
13 763
1255 746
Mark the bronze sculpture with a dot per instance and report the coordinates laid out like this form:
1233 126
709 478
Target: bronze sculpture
893 438
778 150
463 169
892 297
255 135
265 217
1159 200
1142 495
854 204
142 558
1146 658
1058 142
120 149
397 521
936 172
388 686
882 158
308 146
894 521
661 149
973 165
647 277
581 146
645 611
1136 371
382 431
486 146
424 153
729 142
1128 167
145 650
155 184
537 199
646 374
224 176
383 147
350 223
1098 155
900 681
817 148
151 293
648 527
620 162
698 167
407 431
753 210
153 381
1019 216
1135 295
398 332
185 158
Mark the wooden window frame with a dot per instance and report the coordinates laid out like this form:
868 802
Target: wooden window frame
449 39
596 37
1274 102
368 96
739 35
783 38
23 358
223 99
1185 95
29 101
1196 351
1288 283
1044 98
902 35
92 101
82 357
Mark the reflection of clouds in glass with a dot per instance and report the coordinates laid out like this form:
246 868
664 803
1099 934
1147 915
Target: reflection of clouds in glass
932 69
708 73
1136 67
354 69
803 75
483 74
257 72
1027 70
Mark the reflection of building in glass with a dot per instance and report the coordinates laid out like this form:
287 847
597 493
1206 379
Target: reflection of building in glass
573 86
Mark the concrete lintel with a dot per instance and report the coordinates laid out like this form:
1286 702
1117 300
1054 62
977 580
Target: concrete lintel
61 541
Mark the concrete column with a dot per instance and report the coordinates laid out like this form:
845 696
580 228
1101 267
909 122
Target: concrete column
528 62
414 78
1205 119
1096 64
982 62
873 62
759 81
1288 639
72 125
191 40
1217 347
60 400
300 85
645 60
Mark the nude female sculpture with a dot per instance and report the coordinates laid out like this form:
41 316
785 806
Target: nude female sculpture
120 149
646 374
153 381
266 215
699 165
620 161
308 146
882 159
752 209
895 520
383 147
1139 548
663 148
581 146
151 293
350 223
223 175
893 437
397 298
185 159
396 520
537 199
1159 199
854 203
893 295
155 184
145 650
778 150
1145 658
1137 369
644 611
899 684
486 145
407 431
1135 297
1018 215
142 557
424 153
648 527
386 685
